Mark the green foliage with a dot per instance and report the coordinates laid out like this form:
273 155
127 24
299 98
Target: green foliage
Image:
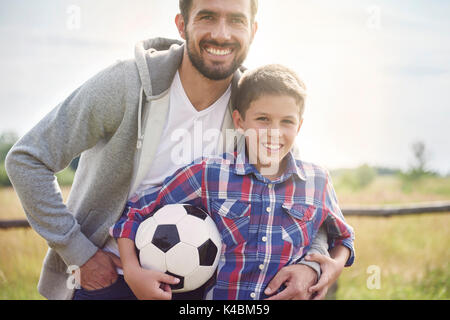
413 178
7 140
65 177
4 180
356 179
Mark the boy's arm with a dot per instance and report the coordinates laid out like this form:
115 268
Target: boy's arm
182 187
185 186
340 233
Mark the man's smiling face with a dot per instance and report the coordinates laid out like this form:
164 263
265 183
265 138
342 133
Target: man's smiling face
218 36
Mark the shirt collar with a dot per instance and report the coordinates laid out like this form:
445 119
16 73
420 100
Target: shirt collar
243 167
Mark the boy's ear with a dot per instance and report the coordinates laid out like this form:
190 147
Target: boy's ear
237 119
300 126
179 21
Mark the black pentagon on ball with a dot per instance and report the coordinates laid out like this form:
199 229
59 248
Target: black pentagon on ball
178 286
196 212
207 253
166 237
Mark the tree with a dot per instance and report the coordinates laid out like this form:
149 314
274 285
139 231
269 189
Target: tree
420 157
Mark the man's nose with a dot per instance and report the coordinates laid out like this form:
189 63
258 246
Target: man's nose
221 31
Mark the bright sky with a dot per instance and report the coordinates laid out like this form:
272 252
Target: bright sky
377 72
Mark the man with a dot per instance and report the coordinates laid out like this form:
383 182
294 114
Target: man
120 122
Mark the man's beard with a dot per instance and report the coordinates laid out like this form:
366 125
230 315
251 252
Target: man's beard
218 73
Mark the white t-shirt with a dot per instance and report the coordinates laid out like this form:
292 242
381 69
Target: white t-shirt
187 135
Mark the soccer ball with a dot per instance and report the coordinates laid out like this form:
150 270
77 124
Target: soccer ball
183 241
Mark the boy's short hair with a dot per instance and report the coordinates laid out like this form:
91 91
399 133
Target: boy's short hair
271 79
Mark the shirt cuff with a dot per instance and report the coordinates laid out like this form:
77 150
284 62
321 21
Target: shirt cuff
124 229
348 243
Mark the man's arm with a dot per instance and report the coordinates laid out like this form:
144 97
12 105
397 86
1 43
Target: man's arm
319 246
90 114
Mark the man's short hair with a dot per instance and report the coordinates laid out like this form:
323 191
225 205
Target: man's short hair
271 79
186 5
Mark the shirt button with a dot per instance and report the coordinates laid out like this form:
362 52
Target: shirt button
269 210
270 186
264 239
253 295
261 267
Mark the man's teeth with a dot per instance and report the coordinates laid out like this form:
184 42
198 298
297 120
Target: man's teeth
274 147
218 52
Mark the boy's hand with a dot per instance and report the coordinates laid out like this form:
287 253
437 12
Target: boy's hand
297 279
331 270
150 284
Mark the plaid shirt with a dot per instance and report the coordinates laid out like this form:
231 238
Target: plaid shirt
265 225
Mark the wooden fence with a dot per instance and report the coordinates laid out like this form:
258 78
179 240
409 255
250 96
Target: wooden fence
366 211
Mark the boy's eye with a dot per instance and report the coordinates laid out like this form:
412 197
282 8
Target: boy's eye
262 119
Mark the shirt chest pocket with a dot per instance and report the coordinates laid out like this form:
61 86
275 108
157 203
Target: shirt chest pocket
232 218
297 224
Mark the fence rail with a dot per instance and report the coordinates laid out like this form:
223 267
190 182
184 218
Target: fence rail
397 210
358 211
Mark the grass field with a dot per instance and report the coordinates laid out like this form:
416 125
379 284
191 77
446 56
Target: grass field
411 252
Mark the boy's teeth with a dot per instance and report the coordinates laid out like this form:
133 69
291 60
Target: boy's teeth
218 52
272 147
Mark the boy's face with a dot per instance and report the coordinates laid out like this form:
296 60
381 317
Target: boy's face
271 125
218 35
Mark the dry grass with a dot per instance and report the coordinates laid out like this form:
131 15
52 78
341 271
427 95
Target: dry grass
411 252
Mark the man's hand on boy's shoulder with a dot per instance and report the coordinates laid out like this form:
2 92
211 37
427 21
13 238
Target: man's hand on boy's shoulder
297 279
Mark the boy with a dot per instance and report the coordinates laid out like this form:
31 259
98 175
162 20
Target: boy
267 206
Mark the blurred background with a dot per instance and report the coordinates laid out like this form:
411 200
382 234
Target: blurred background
378 115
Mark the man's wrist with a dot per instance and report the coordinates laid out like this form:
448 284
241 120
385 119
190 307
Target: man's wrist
315 266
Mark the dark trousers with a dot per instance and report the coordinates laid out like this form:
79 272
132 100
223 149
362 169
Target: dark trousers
121 291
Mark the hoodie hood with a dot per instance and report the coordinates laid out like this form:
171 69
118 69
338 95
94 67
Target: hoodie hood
157 61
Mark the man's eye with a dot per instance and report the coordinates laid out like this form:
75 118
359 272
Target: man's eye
207 18
237 20
262 119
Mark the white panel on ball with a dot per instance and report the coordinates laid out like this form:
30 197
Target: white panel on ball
197 278
145 233
193 231
152 258
182 259
170 214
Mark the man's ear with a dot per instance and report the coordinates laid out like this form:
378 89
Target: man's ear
254 30
179 21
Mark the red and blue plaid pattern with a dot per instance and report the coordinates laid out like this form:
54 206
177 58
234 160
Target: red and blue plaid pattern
265 225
